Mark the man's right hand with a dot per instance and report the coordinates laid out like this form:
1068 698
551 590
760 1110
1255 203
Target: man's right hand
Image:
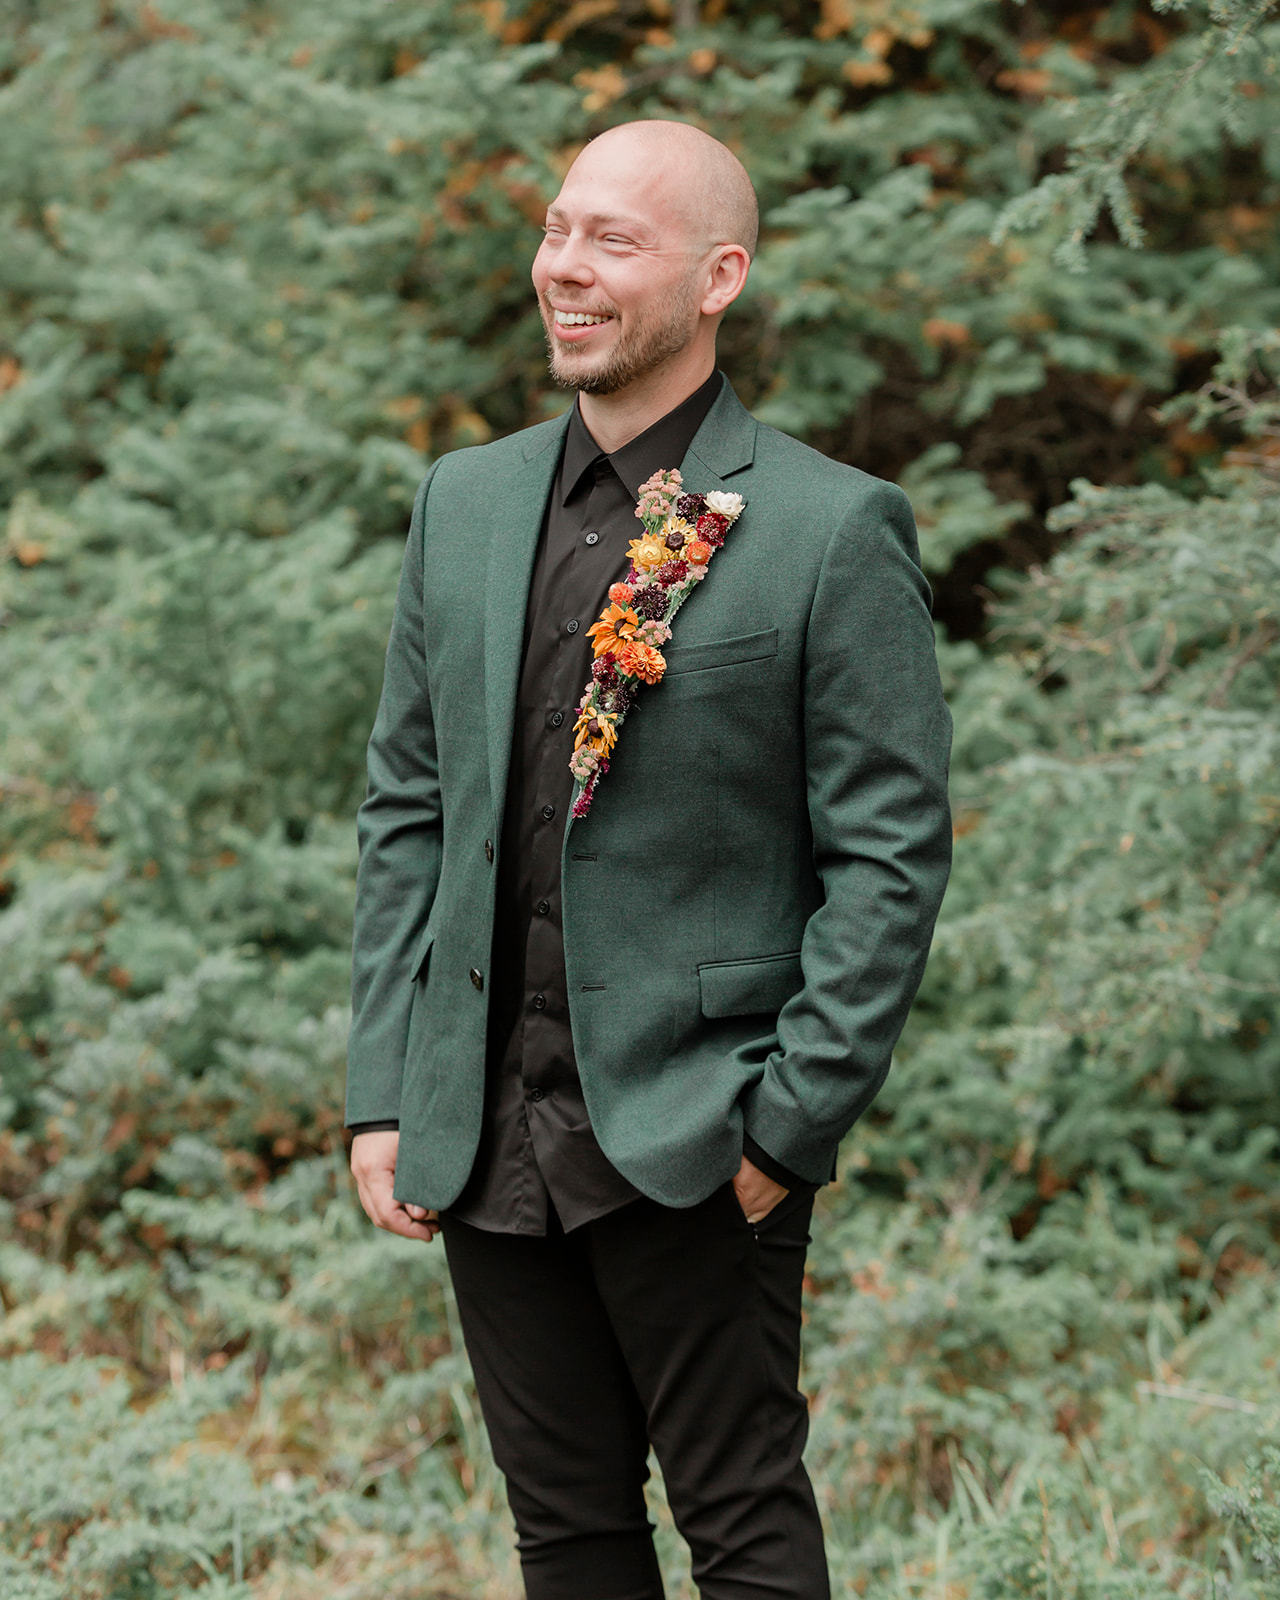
373 1166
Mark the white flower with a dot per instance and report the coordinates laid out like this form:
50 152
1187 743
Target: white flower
724 505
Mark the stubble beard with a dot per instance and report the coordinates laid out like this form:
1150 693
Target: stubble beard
657 336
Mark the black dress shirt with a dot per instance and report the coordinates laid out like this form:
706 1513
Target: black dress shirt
537 1147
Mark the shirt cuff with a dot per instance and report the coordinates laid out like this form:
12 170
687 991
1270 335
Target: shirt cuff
771 1168
391 1125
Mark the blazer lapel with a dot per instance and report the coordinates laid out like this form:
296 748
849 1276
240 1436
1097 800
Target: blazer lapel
518 517
723 445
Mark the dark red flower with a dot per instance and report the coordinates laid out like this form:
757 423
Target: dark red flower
712 528
650 602
691 506
672 572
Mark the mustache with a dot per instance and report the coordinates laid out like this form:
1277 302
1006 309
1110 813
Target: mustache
605 310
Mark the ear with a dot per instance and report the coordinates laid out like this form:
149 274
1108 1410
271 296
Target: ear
726 278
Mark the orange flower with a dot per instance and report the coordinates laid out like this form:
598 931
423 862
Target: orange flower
615 627
641 661
697 553
621 594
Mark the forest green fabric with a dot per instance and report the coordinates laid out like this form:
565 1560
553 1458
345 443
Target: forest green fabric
747 907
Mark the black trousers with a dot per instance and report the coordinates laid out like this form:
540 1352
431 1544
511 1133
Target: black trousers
680 1328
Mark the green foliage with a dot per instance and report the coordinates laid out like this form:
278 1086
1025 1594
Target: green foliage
261 265
1195 86
104 1501
1253 1507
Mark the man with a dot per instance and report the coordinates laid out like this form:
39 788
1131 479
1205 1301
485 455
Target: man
611 1055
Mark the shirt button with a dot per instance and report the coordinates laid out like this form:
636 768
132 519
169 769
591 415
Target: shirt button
557 717
593 538
572 625
539 1002
543 907
477 978
535 1094
548 812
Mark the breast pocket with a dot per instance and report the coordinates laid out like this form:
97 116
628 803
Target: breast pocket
721 652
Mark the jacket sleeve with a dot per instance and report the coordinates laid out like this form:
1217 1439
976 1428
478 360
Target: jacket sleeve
399 828
877 742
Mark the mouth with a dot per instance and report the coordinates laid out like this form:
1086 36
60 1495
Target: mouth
572 327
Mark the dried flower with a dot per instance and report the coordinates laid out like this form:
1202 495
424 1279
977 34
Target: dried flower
654 633
712 529
642 661
615 625
672 572
648 551
725 505
651 602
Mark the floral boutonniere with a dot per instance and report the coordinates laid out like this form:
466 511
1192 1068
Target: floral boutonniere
670 558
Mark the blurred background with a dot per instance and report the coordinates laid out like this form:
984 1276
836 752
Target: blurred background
261 262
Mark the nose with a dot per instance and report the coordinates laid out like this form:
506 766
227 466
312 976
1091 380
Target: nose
570 262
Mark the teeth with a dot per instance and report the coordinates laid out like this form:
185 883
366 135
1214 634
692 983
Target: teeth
578 319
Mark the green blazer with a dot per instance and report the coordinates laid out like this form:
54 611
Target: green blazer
748 906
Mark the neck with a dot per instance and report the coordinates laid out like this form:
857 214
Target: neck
616 419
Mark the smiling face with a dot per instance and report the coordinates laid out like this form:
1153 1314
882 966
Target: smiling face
622 273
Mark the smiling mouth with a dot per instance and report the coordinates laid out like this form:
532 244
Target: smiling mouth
579 319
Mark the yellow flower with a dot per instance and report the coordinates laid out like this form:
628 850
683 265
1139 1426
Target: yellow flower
615 627
675 530
648 551
596 729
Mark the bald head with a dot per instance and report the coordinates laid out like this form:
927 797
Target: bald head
701 180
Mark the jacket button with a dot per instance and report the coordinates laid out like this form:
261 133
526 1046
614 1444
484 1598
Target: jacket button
477 977
543 907
539 1002
572 625
557 717
488 851
535 1094
548 812
593 538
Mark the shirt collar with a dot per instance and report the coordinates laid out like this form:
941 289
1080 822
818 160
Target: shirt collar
661 445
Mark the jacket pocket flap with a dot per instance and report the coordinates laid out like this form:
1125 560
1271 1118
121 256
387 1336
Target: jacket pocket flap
420 955
740 988
721 652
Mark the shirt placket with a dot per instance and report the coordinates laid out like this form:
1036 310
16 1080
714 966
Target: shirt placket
548 1064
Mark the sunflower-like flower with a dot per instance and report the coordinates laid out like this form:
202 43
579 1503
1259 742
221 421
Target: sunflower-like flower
641 661
675 530
597 730
647 552
616 625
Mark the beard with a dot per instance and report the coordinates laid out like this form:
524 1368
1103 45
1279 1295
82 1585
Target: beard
662 330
